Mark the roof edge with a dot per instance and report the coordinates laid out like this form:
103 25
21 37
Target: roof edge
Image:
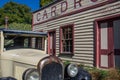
56 1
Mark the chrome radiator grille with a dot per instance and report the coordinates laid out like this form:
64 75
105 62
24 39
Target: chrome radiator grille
52 71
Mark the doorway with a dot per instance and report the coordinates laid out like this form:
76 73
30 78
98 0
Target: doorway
52 42
109 43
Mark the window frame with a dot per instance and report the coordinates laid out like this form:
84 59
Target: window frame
61 39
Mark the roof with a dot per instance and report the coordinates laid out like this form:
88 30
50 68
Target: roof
54 2
23 33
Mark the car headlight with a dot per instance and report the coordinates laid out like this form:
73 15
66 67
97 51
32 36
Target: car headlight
72 70
31 74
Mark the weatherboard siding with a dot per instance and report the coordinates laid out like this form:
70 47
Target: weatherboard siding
83 31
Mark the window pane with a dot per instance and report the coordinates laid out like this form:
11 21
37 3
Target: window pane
116 34
51 41
70 30
40 43
71 48
71 42
66 36
26 42
70 36
104 36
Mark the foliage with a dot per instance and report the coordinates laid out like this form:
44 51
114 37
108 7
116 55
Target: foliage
98 74
66 62
45 2
113 74
18 26
16 13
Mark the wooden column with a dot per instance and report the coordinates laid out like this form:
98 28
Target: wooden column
1 42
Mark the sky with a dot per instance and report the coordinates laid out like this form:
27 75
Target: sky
33 4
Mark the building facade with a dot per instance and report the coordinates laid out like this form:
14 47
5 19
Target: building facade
82 31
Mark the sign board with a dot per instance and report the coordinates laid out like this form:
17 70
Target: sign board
61 8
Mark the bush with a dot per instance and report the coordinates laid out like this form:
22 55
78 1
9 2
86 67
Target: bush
66 62
98 74
111 74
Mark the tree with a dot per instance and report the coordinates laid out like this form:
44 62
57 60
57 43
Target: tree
19 26
45 2
16 13
19 16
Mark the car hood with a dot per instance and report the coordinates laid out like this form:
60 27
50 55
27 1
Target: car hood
27 56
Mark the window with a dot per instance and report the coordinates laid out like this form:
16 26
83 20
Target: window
66 39
12 42
40 43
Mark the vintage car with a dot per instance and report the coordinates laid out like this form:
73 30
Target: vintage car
23 57
52 68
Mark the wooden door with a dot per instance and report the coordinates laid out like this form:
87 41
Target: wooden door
52 43
106 44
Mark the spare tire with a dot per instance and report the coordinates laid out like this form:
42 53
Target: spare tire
82 75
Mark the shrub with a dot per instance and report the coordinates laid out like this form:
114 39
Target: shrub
66 62
97 74
113 74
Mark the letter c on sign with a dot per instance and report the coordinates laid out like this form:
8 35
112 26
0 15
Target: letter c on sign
93 0
38 17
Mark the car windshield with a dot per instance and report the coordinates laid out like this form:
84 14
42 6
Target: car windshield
13 42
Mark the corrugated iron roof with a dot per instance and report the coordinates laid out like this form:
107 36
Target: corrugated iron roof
20 32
